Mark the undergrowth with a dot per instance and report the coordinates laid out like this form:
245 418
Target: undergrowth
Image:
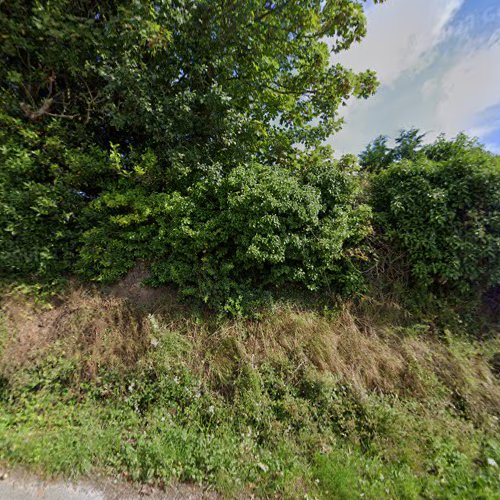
295 405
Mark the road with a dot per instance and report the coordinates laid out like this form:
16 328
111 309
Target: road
18 485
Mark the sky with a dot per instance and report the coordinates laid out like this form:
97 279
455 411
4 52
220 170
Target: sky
438 63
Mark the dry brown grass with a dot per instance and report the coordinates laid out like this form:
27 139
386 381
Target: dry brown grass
358 347
368 359
336 346
28 331
93 329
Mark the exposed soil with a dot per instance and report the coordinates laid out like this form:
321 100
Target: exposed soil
133 288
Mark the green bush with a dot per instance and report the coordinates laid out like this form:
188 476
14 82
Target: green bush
44 185
228 240
443 211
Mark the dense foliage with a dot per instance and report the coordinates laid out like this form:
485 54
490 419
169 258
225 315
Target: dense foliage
186 134
42 184
258 228
443 210
189 134
205 83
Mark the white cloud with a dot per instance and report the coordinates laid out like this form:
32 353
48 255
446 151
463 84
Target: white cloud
429 88
470 87
437 72
400 33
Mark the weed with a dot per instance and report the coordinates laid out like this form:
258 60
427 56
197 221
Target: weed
294 405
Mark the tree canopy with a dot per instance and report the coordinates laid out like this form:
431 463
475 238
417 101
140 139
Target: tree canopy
190 135
378 155
200 82
132 130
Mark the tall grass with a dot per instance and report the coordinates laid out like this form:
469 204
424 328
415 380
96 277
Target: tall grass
297 404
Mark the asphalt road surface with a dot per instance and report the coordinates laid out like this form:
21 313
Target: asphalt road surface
18 485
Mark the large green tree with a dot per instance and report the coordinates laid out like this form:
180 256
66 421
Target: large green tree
115 113
198 81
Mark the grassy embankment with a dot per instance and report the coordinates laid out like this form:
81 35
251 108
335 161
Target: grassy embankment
365 401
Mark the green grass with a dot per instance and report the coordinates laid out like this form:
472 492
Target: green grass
271 435
189 411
